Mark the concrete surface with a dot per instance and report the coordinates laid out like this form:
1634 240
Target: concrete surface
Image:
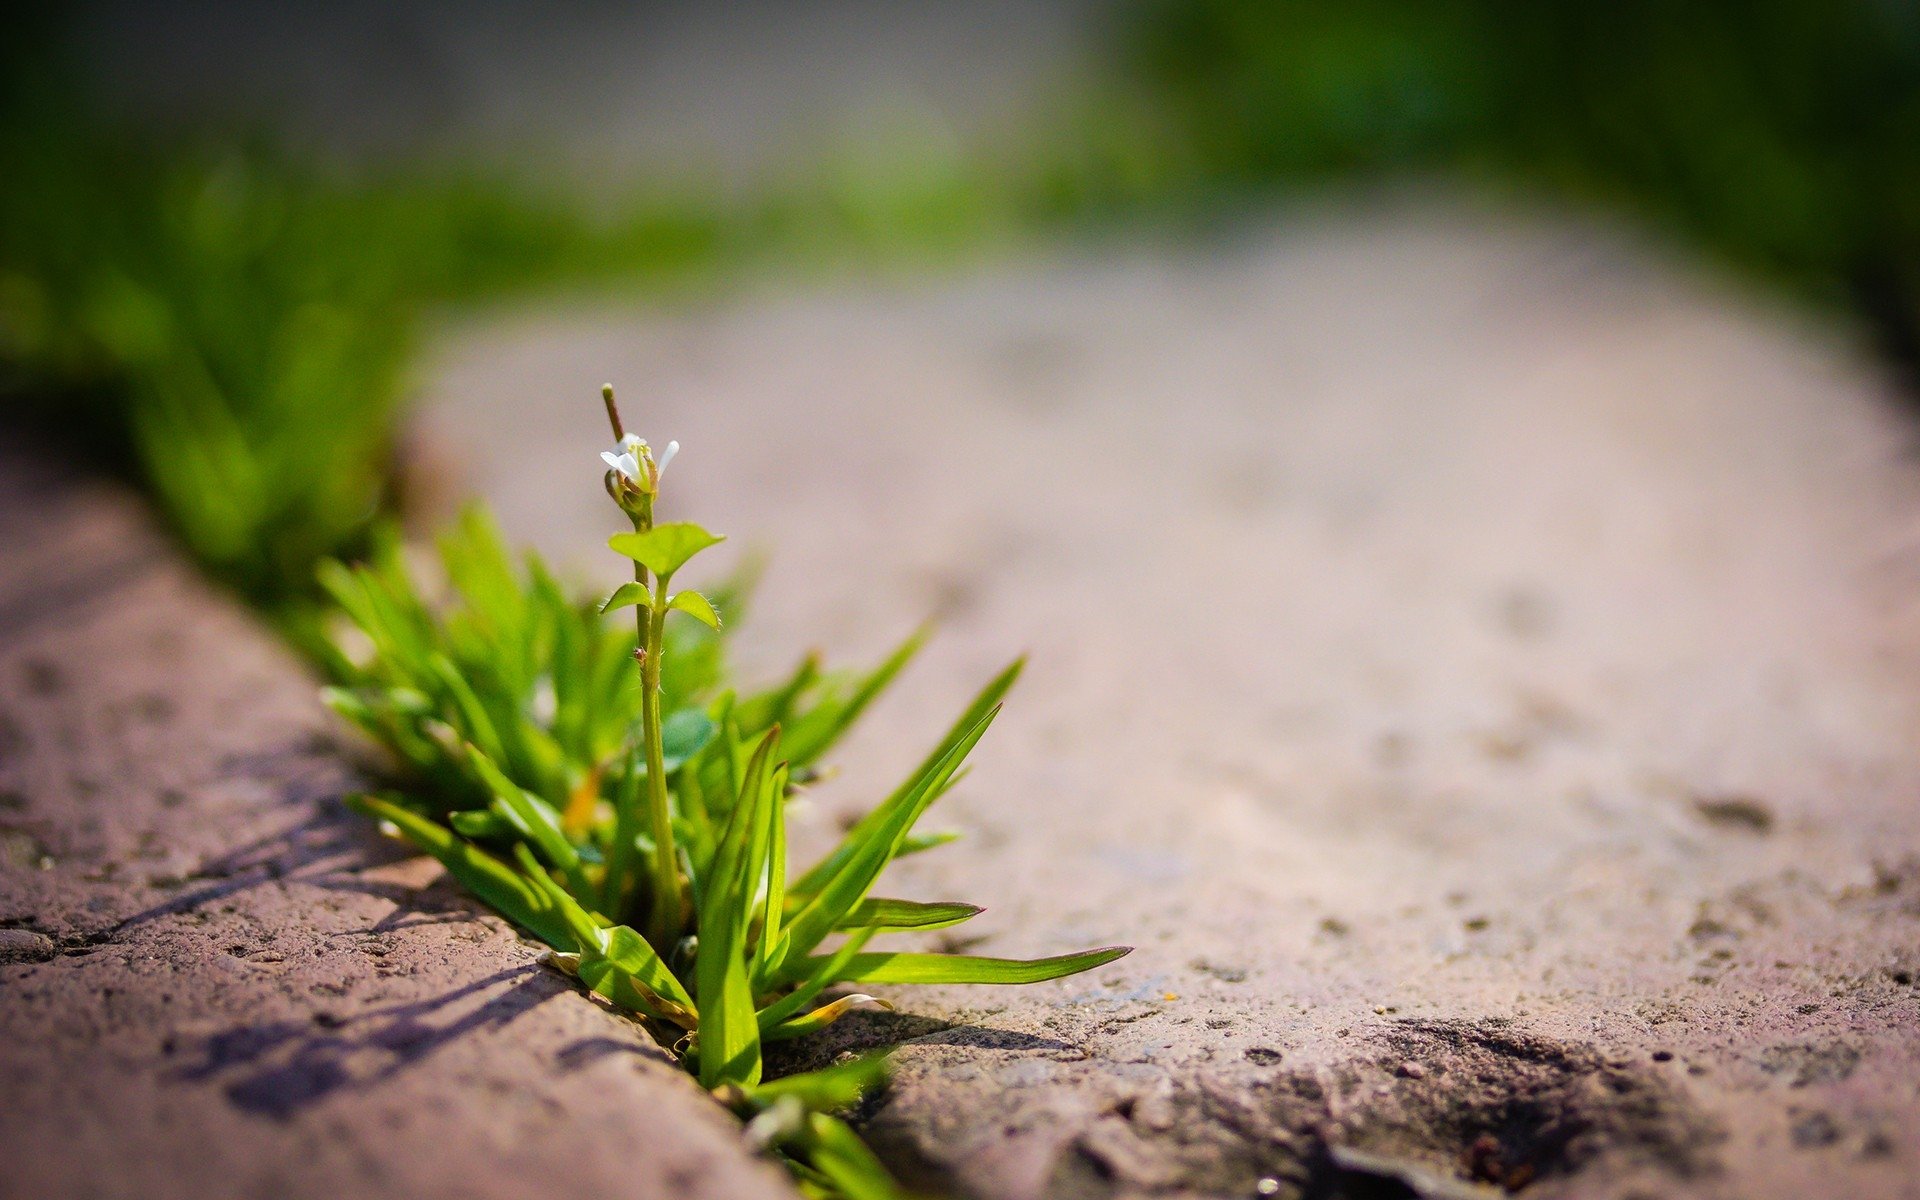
217 982
1474 662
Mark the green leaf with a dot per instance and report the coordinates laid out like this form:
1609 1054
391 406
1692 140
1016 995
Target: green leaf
625 596
775 705
479 823
820 1018
815 982
920 843
870 846
983 704
729 1042
776 899
610 955
527 813
494 882
815 733
697 606
626 958
967 968
684 734
830 1089
664 549
836 1152
908 914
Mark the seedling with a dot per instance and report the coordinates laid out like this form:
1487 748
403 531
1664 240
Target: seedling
603 788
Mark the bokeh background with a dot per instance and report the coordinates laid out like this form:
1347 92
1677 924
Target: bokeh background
224 224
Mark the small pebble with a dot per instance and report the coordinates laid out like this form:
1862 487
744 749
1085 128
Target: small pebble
1412 1070
24 946
1268 1186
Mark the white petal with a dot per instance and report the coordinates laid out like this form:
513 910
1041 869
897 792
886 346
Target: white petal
629 466
631 443
612 460
666 456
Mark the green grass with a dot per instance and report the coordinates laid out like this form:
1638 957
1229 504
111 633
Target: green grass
603 785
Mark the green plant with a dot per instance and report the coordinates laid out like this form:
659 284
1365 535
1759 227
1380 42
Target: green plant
590 782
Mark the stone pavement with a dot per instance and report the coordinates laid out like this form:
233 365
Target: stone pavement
217 982
1474 663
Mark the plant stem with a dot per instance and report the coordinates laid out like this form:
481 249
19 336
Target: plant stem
650 621
665 918
626 818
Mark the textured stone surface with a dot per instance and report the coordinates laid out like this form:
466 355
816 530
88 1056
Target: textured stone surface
1476 665
214 981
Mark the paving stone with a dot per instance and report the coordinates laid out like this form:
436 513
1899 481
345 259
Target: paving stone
215 981
1473 660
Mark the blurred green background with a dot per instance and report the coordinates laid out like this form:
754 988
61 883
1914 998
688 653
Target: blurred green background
223 305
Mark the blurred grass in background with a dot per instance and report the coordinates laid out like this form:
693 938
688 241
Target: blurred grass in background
1782 136
232 325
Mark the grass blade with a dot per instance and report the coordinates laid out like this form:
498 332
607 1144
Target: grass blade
529 815
608 952
506 890
867 851
836 1152
729 1042
966 968
983 705
830 1089
821 1017
815 733
908 914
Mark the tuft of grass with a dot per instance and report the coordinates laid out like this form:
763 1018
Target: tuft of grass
605 788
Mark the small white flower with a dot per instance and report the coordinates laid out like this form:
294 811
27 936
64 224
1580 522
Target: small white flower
625 458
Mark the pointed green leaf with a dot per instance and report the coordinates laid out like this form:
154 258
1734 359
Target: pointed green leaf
983 704
625 596
908 914
528 814
494 882
919 843
774 909
967 968
729 1042
664 549
697 606
815 981
775 705
815 733
870 847
829 1089
607 953
821 1017
836 1152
